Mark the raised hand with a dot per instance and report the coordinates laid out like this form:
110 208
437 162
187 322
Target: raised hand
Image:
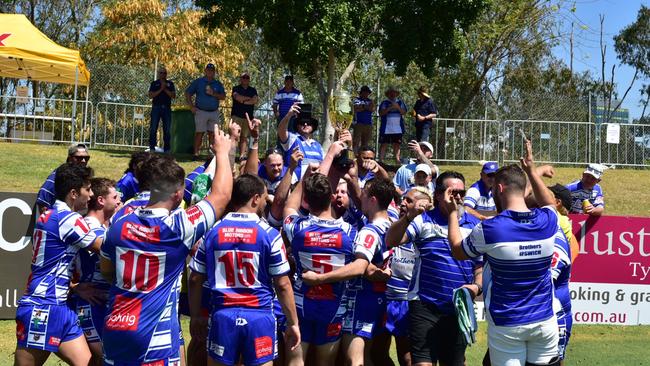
527 162
371 165
296 158
254 126
222 142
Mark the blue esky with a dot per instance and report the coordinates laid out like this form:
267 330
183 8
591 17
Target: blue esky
618 14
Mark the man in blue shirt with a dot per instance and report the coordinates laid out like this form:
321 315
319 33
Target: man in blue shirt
391 111
363 108
478 200
588 189
518 246
77 154
244 98
434 332
284 99
161 92
425 112
205 107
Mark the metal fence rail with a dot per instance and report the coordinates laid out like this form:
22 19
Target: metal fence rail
121 125
45 120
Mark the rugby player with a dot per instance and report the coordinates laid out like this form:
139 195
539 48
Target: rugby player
128 184
91 291
45 322
144 255
243 259
433 327
519 244
365 295
319 243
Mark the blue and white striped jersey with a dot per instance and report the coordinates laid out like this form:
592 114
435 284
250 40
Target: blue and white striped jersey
46 195
311 149
402 261
579 194
285 99
479 197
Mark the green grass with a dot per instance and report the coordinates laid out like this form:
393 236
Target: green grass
24 167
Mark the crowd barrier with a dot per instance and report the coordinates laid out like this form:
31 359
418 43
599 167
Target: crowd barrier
126 125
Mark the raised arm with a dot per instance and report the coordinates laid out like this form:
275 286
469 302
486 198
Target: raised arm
453 231
396 234
543 195
221 189
253 159
283 127
282 192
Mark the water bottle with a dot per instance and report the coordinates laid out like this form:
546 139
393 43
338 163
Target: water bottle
200 188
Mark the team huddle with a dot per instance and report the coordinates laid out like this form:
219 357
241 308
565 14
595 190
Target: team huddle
293 262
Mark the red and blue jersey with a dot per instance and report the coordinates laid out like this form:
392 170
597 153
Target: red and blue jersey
240 256
141 199
321 246
58 236
148 248
87 263
561 272
371 244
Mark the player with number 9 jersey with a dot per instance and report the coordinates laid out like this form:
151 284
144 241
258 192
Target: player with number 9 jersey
321 246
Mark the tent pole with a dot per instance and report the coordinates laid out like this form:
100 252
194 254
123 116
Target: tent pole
74 101
86 114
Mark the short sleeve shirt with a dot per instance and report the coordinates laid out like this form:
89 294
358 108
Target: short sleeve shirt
240 109
203 101
162 98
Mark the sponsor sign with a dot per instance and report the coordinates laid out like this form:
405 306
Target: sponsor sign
18 214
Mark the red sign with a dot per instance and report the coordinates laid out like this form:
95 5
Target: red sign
323 240
613 249
263 346
3 37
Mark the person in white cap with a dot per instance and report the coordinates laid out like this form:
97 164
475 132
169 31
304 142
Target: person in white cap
586 194
422 177
403 178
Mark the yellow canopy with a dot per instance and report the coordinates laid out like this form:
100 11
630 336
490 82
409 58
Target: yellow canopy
26 53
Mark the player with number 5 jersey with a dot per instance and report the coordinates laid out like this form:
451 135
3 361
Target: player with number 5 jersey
243 258
144 253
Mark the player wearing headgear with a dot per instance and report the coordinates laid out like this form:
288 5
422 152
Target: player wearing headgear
44 321
128 185
365 295
144 254
401 262
433 327
91 291
518 245
303 139
243 259
321 244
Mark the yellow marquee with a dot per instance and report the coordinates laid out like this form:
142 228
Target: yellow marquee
26 53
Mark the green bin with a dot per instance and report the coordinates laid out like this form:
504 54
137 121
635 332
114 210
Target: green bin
182 131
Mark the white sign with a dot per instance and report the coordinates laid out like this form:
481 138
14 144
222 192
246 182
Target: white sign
39 109
138 115
545 136
22 93
450 130
613 133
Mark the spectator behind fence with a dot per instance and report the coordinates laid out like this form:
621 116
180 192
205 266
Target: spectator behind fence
586 194
363 108
391 111
205 107
425 111
77 154
244 98
161 92
284 99
479 201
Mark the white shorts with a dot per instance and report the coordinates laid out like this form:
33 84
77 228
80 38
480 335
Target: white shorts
205 120
536 343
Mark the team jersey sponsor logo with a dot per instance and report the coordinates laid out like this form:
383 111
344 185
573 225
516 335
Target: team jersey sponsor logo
54 341
323 240
217 349
263 346
242 235
233 299
20 330
140 233
334 330
194 214
125 315
288 220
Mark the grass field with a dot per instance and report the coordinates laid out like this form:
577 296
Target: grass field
24 167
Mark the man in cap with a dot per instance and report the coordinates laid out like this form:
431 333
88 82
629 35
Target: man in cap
363 108
478 200
208 91
284 99
425 111
161 92
303 140
77 154
391 111
403 178
586 194
244 98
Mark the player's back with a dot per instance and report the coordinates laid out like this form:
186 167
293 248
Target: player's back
148 248
372 237
58 235
140 199
321 246
241 253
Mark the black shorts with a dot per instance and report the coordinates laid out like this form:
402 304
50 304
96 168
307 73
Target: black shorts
393 138
434 336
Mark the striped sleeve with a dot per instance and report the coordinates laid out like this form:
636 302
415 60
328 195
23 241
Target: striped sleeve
197 263
46 195
276 99
194 222
278 264
471 198
289 226
366 243
74 231
474 244
415 227
561 257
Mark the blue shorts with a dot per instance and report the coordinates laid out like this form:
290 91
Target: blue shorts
321 321
91 319
565 323
279 316
45 327
365 311
397 319
250 333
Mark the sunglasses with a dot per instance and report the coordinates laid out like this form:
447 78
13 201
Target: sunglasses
86 158
456 192
245 77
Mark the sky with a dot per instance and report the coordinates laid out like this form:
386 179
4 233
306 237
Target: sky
586 50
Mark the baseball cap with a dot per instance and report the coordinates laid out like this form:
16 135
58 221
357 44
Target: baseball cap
423 168
596 170
244 74
210 66
365 88
490 167
76 147
288 77
563 194
427 145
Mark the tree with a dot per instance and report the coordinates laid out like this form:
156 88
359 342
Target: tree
313 36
